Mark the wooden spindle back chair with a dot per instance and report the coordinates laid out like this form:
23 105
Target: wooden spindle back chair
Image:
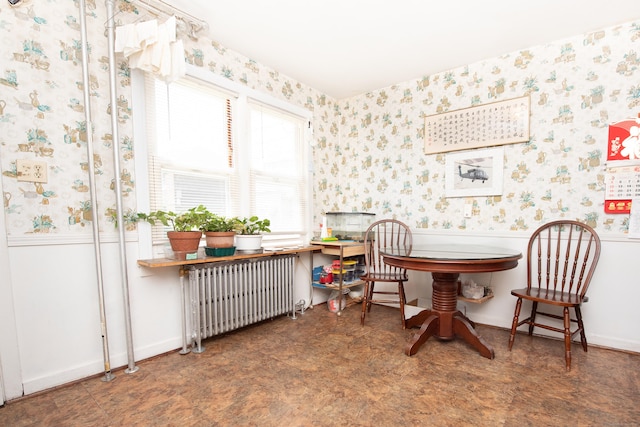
561 258
386 233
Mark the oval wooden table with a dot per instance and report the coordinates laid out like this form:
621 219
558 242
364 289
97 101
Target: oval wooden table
446 262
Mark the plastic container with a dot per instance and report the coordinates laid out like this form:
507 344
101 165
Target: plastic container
350 275
349 225
332 302
220 251
317 271
337 275
350 271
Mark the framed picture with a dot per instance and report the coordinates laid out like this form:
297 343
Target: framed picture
487 125
474 173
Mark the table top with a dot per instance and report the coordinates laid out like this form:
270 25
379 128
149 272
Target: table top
452 257
450 251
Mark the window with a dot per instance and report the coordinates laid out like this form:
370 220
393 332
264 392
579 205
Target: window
236 154
276 168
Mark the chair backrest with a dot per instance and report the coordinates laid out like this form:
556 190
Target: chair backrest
386 233
562 256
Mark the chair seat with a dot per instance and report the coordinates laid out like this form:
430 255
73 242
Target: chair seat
385 277
549 296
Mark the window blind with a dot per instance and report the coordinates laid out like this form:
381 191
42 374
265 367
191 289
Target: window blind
190 145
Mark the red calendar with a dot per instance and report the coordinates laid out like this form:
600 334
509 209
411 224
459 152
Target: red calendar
624 140
622 178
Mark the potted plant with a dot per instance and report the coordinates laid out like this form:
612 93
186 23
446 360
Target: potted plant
249 233
219 231
185 233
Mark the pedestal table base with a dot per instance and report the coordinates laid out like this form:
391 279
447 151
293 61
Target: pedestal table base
444 321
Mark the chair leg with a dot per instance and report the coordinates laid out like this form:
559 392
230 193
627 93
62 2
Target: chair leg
365 299
532 319
567 338
403 301
583 336
370 297
514 323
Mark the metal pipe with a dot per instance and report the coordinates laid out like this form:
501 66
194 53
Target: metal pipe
118 186
183 311
108 376
194 26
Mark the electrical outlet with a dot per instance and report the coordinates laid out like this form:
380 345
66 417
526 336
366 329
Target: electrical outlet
31 170
468 210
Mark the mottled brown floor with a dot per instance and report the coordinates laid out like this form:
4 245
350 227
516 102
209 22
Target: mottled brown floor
326 370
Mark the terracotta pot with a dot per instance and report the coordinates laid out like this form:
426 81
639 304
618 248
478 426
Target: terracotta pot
219 239
184 241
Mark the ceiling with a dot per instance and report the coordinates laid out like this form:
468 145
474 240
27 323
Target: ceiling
347 47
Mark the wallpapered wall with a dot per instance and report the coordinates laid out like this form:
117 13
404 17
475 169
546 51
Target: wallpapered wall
42 113
375 162
369 148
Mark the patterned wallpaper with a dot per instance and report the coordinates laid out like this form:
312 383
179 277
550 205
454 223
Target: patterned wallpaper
368 154
42 113
374 159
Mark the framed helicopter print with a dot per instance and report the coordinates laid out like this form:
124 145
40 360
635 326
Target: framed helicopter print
474 173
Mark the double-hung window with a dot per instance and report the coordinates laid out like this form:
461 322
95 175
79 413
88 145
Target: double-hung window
277 168
236 154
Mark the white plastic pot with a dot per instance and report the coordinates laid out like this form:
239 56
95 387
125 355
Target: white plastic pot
248 242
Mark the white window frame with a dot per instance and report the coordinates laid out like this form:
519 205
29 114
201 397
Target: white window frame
147 249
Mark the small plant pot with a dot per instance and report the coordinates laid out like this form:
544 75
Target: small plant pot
184 241
219 239
248 242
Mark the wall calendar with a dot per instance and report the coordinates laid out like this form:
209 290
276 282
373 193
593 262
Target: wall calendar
622 176
496 123
622 185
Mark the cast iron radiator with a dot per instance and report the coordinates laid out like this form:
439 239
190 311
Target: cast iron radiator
229 295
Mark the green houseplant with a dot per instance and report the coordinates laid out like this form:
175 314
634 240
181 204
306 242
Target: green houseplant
185 233
250 229
253 225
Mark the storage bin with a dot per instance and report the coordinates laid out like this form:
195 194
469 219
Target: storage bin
317 271
349 225
350 271
350 276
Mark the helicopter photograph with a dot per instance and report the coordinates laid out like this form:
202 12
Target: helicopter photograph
474 173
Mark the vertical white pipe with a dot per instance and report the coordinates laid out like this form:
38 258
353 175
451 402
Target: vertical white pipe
108 376
118 186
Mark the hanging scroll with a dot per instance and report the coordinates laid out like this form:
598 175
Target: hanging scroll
496 123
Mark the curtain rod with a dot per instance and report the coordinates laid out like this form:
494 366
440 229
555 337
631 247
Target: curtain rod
192 26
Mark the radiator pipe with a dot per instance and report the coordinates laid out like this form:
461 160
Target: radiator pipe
115 142
108 376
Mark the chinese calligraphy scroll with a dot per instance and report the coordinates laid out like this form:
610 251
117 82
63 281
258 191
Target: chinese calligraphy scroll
496 123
